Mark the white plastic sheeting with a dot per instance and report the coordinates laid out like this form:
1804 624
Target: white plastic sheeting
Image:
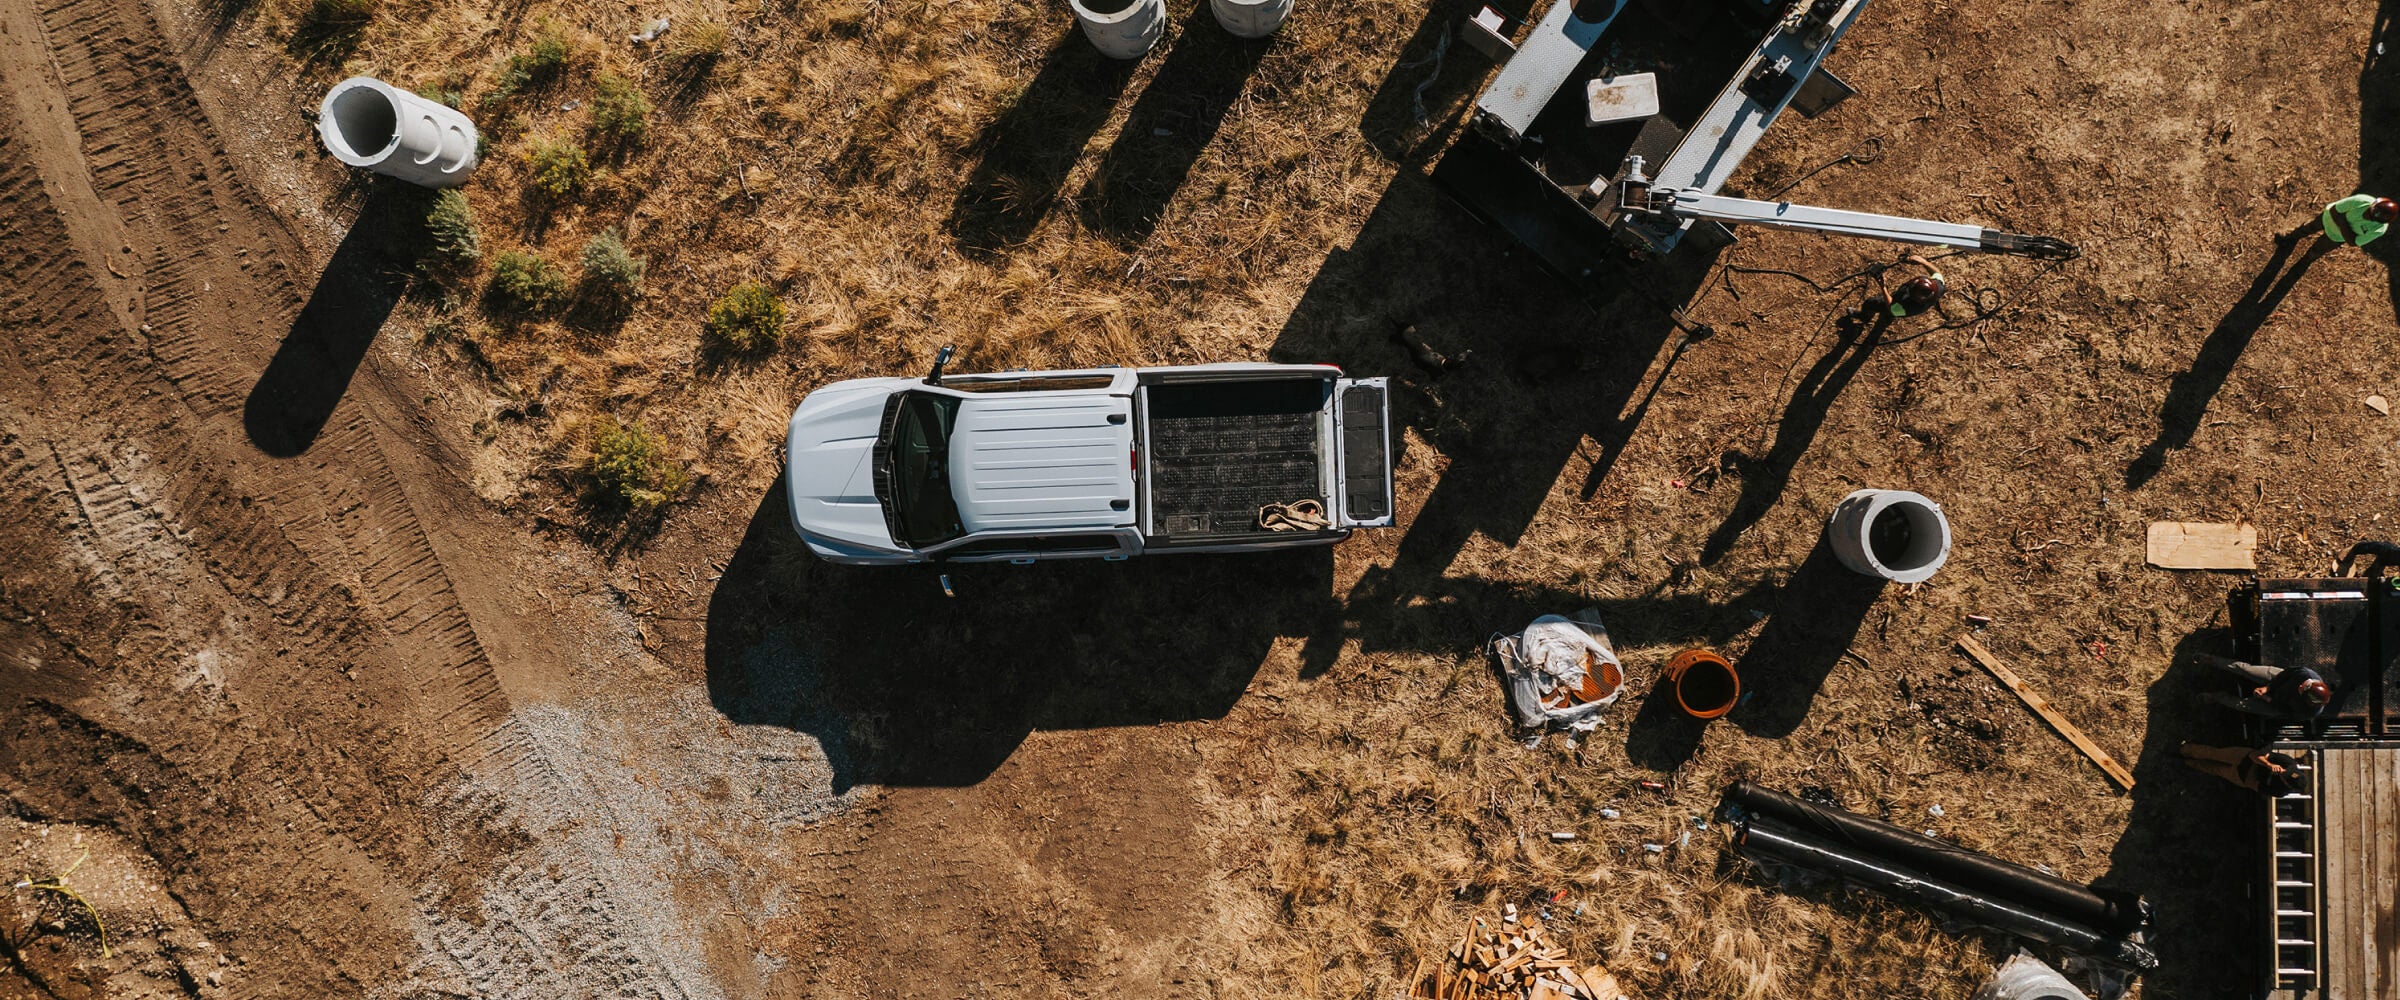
2024 977
1552 656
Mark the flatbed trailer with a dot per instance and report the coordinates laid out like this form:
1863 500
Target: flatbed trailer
2327 896
1591 180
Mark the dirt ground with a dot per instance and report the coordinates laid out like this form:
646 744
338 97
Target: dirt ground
312 653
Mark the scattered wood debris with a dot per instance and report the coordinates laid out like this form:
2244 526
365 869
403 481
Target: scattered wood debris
1513 961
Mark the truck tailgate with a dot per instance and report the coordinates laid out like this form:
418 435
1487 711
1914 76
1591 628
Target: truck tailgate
1362 429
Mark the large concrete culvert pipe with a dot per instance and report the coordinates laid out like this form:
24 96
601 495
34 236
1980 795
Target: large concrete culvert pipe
368 123
1894 534
1122 29
1251 18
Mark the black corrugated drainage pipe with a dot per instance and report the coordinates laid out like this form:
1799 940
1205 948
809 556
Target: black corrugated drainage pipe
1763 838
2110 913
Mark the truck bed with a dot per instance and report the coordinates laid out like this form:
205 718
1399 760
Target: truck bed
1218 451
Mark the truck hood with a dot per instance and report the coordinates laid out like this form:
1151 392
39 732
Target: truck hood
1044 460
829 471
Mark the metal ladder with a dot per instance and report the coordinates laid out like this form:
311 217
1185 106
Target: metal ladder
2294 872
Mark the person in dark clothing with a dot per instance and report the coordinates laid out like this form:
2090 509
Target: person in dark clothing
2267 772
1914 296
2295 694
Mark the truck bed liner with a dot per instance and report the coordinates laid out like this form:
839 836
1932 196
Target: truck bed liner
1219 451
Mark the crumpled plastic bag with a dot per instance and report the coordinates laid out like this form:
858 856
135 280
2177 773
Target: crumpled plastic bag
1551 657
2024 977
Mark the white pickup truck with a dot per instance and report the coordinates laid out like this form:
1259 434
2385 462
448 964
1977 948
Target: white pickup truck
1105 463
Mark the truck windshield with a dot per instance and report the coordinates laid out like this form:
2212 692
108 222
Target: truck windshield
912 469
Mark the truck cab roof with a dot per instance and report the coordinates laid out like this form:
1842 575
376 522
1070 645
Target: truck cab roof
1043 460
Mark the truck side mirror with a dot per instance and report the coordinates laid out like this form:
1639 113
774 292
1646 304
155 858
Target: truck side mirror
940 359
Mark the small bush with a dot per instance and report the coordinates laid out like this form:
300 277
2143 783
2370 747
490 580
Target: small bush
703 42
749 318
450 227
329 30
559 167
628 469
619 111
525 283
531 68
340 12
611 269
547 57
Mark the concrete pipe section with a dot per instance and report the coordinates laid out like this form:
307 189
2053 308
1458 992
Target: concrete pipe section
1122 29
368 123
1894 534
1251 18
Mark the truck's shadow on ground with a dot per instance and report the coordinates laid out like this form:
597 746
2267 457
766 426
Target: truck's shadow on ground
903 686
2186 846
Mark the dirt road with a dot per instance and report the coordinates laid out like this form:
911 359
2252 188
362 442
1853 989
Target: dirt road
258 670
263 643
291 694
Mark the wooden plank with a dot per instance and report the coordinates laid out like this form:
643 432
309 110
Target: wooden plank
2384 896
2337 901
2041 706
2202 545
2361 891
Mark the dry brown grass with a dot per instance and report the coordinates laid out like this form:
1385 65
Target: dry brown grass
824 150
821 153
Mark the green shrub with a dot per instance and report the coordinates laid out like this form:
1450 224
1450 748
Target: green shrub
535 66
628 469
749 318
450 227
525 283
611 269
619 111
559 167
547 57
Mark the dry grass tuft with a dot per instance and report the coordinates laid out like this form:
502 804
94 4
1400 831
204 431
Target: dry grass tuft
900 176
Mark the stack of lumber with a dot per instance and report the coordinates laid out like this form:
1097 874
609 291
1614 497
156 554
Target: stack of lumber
1515 960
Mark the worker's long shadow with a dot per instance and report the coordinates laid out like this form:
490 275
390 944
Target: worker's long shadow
1024 155
2378 140
1811 619
900 685
1413 111
1548 372
311 369
2189 394
1170 125
2183 844
1764 477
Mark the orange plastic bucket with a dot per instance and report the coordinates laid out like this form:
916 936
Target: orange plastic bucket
1705 684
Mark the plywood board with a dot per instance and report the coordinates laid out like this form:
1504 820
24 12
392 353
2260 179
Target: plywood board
2202 545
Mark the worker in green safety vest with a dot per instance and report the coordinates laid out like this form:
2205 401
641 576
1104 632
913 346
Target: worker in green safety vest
2357 220
1913 296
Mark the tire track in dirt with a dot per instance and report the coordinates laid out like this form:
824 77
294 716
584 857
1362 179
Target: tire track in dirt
395 767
